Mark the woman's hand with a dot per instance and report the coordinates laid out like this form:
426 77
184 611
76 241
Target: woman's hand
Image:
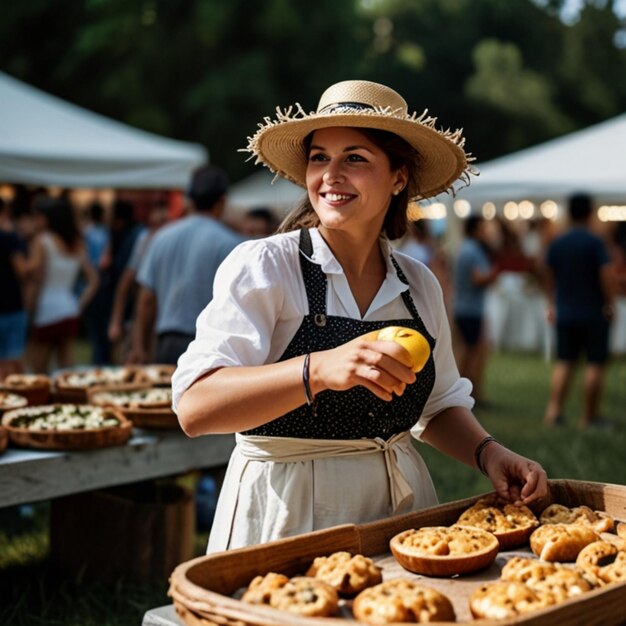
375 365
514 477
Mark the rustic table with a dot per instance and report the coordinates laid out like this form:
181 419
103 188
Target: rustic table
32 475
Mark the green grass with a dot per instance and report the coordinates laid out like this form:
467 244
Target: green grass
35 592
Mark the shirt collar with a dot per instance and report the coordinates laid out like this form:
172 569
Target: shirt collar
322 255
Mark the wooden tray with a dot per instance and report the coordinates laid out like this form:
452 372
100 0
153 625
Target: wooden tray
86 439
11 405
158 416
156 374
204 589
34 387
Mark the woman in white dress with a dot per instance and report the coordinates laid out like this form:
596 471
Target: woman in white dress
323 417
58 257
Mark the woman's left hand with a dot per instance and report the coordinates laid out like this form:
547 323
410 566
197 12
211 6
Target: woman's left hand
514 477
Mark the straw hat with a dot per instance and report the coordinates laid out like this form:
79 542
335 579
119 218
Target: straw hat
279 143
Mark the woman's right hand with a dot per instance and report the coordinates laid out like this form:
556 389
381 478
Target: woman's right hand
375 365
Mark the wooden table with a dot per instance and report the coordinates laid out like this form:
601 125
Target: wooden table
32 475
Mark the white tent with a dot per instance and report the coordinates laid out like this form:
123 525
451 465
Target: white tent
591 160
46 141
263 189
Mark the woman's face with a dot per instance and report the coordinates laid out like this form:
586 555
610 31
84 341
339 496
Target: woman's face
349 179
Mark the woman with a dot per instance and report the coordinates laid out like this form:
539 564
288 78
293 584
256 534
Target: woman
323 416
59 255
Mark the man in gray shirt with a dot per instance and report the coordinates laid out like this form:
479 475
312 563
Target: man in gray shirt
176 275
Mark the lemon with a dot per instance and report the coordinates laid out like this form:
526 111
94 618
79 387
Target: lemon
412 341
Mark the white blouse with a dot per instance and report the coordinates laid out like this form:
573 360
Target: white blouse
259 301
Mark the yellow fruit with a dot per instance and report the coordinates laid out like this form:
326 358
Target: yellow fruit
413 342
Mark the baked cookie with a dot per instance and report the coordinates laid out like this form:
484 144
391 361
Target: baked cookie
603 562
348 574
561 542
620 529
306 596
444 550
401 600
505 599
512 525
582 515
260 588
550 581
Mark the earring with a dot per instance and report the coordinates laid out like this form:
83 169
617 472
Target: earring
396 192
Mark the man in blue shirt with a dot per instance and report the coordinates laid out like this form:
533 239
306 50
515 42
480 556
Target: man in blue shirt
578 282
473 273
177 272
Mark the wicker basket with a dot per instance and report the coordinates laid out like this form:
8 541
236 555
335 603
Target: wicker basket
66 389
34 387
142 415
85 439
205 590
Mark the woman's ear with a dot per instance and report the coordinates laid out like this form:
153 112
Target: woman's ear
402 178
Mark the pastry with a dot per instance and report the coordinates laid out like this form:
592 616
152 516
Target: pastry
582 515
401 600
511 524
307 596
504 599
561 542
603 562
551 581
444 550
346 573
260 588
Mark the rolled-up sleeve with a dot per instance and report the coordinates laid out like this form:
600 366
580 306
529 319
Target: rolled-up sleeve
236 327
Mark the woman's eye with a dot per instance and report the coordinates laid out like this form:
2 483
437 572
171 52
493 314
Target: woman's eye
355 158
318 156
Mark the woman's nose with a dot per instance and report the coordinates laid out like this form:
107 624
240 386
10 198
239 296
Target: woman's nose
333 173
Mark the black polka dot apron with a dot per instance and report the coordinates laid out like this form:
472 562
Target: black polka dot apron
298 473
355 413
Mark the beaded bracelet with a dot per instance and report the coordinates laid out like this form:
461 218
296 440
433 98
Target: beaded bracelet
310 400
479 450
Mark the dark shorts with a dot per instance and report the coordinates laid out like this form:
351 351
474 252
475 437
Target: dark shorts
13 330
57 333
590 338
470 328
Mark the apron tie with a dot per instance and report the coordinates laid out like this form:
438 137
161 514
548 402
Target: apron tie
293 449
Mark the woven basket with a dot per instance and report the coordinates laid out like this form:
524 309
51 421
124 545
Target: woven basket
35 388
147 416
86 439
205 590
65 391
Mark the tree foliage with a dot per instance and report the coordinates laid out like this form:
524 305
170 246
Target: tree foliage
512 73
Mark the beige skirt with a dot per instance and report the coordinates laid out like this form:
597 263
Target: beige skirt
281 486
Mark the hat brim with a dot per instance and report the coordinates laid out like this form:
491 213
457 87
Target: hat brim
280 146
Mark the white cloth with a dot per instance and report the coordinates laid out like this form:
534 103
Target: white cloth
57 300
259 301
293 486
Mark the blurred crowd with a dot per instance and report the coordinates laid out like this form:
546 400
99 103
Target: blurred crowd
130 276
70 271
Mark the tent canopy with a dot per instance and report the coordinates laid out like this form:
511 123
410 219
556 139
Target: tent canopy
592 160
263 189
46 141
